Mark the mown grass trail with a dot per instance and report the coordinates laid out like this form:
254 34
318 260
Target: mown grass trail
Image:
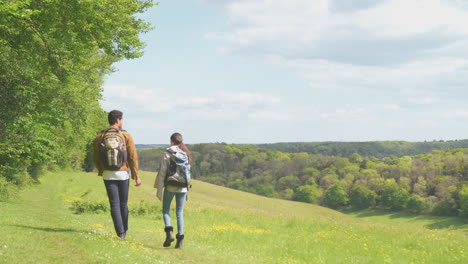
222 226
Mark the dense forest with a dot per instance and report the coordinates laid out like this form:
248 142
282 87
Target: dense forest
53 59
428 183
376 149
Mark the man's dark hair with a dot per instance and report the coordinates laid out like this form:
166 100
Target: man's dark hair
113 116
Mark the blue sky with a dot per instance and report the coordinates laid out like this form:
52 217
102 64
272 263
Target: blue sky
263 71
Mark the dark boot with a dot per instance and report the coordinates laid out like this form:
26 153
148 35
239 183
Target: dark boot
169 236
179 241
122 236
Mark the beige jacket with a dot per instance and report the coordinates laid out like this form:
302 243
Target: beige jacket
159 182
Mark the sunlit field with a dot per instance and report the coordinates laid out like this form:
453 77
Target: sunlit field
66 220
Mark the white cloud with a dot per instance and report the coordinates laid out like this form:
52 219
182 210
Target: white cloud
159 100
391 107
247 99
402 17
347 115
144 124
220 106
310 29
266 115
379 45
212 114
455 114
429 123
423 101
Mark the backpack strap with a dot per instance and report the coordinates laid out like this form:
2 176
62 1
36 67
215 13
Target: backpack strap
169 168
112 128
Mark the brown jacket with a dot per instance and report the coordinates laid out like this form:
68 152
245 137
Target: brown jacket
132 157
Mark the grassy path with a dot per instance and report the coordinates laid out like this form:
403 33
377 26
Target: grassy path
222 226
40 228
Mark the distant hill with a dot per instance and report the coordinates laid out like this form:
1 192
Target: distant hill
149 146
377 149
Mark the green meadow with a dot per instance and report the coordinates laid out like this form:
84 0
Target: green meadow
66 219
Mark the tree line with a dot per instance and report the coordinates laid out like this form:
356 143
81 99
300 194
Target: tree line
54 56
377 149
433 183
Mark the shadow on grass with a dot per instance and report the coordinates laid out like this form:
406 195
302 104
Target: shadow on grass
154 247
436 222
449 223
49 229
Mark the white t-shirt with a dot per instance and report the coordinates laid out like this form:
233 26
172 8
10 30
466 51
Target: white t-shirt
115 175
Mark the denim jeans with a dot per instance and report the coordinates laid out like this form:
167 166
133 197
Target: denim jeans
180 202
117 191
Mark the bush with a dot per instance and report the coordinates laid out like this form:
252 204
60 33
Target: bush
7 190
98 207
307 194
415 203
81 207
145 208
335 196
266 190
362 197
288 182
239 185
445 208
393 196
288 194
463 195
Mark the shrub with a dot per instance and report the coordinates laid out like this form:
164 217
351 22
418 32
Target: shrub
239 185
362 197
463 195
446 208
328 180
393 196
7 190
145 208
96 207
266 190
415 203
307 194
335 196
288 182
288 194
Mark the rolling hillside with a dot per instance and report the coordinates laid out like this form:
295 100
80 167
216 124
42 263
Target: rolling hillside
64 220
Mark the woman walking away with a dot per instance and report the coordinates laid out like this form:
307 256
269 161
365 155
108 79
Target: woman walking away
174 178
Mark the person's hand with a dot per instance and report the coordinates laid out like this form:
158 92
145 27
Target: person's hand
159 195
160 199
137 182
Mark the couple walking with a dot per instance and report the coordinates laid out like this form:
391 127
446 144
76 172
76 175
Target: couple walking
116 160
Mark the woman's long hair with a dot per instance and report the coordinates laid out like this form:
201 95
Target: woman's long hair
178 140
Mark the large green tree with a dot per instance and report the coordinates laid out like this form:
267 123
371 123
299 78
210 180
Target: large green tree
54 55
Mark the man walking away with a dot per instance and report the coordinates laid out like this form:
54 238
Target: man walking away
115 158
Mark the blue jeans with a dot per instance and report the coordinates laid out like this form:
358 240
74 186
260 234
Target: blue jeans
117 191
180 202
